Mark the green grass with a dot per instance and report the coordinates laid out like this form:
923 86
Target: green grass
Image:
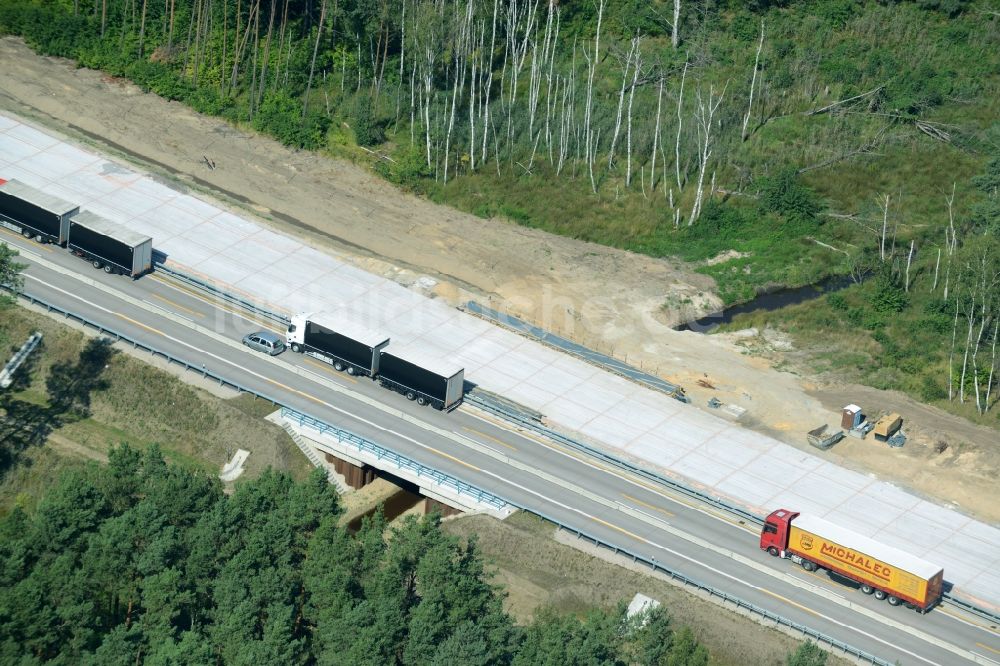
143 406
850 341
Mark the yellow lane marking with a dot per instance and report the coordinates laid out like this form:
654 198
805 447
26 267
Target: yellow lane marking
452 458
178 305
991 649
620 529
297 392
790 602
429 448
217 304
647 505
966 620
19 236
141 325
330 369
614 471
492 438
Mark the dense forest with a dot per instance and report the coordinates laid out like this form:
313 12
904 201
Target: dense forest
139 561
806 138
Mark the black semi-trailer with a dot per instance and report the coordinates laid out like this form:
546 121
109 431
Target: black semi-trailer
428 381
334 339
35 214
109 246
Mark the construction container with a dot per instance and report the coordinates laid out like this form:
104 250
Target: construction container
850 418
887 426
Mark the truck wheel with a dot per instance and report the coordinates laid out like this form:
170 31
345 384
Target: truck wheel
410 395
351 370
26 234
296 348
96 264
338 366
421 400
773 551
109 269
880 595
867 589
40 239
893 601
808 566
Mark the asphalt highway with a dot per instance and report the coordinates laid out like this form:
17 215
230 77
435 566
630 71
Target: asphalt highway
528 471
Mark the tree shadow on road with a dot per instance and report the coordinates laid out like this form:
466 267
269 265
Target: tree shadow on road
69 388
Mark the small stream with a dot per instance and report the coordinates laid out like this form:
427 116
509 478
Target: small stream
768 301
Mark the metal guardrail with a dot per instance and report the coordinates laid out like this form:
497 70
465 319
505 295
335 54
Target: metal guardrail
672 484
609 363
360 443
525 420
222 294
520 420
396 458
381 453
989 616
754 609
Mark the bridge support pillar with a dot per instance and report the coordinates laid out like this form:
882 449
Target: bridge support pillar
357 476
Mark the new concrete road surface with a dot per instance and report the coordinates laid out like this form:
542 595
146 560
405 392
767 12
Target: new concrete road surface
747 468
604 502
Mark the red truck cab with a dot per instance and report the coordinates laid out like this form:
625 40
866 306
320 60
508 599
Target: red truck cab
774 535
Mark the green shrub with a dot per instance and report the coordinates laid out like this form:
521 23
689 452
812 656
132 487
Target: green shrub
784 194
280 115
367 130
887 297
722 221
837 302
837 13
408 169
919 88
931 389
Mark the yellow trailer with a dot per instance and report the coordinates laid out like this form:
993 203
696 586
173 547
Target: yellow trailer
879 569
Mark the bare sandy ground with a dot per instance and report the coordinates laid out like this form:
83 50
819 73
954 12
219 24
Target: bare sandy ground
608 299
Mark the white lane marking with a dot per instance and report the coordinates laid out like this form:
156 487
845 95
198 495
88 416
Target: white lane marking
486 472
63 291
615 473
249 371
711 568
982 656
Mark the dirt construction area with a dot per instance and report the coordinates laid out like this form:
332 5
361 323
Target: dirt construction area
607 299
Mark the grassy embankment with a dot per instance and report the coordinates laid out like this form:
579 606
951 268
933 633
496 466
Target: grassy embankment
538 571
141 405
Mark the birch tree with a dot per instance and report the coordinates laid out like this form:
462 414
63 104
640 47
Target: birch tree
680 124
753 82
628 131
705 117
591 139
675 27
621 98
656 135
